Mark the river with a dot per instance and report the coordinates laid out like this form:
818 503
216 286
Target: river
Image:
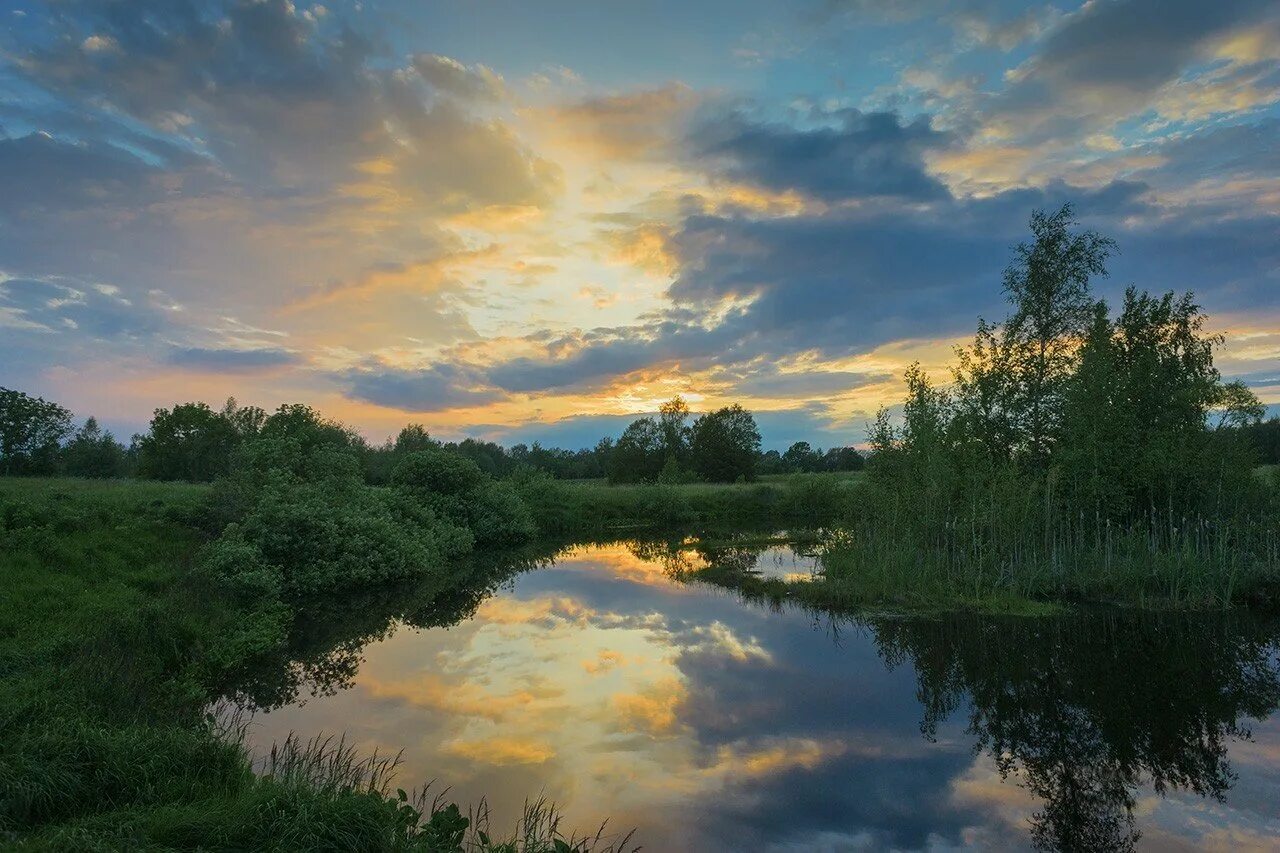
604 680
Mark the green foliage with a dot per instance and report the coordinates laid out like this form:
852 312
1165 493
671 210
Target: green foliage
93 453
1048 285
673 416
111 651
31 429
437 472
1076 453
308 429
561 508
457 490
724 445
638 455
188 442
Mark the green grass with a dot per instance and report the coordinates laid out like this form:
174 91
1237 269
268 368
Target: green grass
111 653
592 507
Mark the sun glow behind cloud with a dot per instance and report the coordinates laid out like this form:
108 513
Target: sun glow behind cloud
426 221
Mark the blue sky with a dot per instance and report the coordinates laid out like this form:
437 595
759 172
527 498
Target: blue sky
536 220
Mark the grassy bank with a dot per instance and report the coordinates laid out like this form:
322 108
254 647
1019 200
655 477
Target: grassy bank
112 647
593 507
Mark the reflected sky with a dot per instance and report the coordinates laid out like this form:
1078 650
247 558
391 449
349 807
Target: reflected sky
713 724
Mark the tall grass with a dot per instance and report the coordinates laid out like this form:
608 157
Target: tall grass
1023 543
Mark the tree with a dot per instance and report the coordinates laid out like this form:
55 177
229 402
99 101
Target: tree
1237 407
31 429
414 437
724 445
188 442
985 394
93 452
638 455
1048 284
303 424
842 459
801 457
672 416
247 421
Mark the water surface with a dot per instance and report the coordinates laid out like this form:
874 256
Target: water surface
709 723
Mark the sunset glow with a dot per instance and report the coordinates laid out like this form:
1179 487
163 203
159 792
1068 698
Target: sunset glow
533 221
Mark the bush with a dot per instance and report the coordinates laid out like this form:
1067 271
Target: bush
457 490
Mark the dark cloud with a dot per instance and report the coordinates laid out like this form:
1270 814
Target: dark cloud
598 356
232 360
1110 58
860 155
40 173
1240 150
429 389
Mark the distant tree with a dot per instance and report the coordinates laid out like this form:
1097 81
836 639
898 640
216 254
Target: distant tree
638 456
414 437
672 419
247 421
31 429
770 462
1264 438
491 458
724 445
603 452
842 459
188 442
93 452
801 457
300 423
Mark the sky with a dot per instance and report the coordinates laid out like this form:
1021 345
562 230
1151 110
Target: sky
534 221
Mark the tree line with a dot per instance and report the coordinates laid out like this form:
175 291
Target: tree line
1118 411
196 442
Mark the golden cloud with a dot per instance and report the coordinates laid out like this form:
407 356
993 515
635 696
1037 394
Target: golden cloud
501 751
652 711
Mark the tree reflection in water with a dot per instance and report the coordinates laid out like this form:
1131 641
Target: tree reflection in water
323 651
1082 710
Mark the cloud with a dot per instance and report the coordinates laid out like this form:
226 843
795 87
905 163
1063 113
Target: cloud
276 99
453 78
66 307
653 711
431 388
232 360
643 124
501 751
861 155
1230 151
1110 59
